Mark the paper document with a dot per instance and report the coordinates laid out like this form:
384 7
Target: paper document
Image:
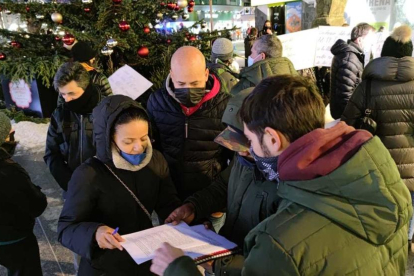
196 242
126 81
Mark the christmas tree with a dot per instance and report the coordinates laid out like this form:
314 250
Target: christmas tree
123 32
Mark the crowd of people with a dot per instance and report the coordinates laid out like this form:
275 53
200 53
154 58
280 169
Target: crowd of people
249 154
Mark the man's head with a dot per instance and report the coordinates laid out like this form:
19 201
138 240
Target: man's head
362 34
267 46
279 111
71 80
189 75
223 50
188 68
83 52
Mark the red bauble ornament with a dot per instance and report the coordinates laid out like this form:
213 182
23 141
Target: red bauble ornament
143 51
2 56
124 26
169 41
87 9
190 9
147 30
15 44
176 8
191 3
27 9
68 39
58 38
171 6
162 4
193 38
117 1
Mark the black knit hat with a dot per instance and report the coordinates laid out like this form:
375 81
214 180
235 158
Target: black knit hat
82 52
399 43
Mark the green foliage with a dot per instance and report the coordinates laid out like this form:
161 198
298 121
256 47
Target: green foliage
41 54
19 116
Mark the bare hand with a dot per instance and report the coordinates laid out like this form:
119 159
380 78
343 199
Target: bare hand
269 31
106 240
184 213
209 226
163 257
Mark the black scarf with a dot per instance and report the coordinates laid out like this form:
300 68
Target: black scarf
85 103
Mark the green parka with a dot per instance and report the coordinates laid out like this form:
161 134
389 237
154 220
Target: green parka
253 75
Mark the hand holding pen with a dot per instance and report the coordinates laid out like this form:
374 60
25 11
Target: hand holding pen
108 238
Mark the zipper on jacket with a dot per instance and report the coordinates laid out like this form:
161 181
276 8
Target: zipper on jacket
186 127
81 139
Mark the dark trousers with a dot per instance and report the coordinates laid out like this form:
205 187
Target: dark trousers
21 258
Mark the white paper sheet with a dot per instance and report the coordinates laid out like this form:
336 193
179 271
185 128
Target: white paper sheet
195 242
126 81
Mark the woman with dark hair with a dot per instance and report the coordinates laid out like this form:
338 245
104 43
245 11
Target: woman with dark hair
267 28
117 189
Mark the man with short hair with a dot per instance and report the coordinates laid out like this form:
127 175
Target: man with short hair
69 138
347 66
187 117
264 61
344 209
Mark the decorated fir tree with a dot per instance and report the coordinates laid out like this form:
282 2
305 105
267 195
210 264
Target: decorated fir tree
122 31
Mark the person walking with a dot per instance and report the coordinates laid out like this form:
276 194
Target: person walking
119 188
21 202
248 44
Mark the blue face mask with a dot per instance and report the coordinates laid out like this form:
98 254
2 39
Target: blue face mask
134 159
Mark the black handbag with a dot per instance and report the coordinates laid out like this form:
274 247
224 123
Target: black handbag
366 122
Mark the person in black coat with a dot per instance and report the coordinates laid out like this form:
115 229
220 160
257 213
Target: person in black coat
69 138
347 67
267 28
187 114
20 203
248 44
120 187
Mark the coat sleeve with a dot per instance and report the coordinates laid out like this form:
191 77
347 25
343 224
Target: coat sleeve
76 230
347 78
53 156
103 85
26 196
229 266
155 134
168 199
183 266
355 107
212 198
266 257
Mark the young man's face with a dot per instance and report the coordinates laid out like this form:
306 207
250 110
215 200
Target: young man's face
71 91
269 146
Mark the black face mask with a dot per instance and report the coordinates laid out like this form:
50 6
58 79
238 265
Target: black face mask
85 103
190 97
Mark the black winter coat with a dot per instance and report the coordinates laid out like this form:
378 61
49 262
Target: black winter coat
346 73
69 143
20 200
187 142
95 198
392 102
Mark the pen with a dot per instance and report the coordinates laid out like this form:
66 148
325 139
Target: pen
115 231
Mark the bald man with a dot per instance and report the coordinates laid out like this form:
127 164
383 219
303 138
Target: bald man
187 115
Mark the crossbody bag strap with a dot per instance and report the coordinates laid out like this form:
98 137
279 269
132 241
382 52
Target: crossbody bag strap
368 110
129 190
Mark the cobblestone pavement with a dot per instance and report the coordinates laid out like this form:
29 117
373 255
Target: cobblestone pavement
57 260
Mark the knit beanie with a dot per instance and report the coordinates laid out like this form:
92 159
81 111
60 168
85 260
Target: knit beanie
399 43
222 49
82 52
5 127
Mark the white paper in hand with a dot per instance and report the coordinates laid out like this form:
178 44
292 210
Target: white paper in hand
126 81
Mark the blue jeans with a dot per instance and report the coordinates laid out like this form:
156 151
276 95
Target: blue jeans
411 227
